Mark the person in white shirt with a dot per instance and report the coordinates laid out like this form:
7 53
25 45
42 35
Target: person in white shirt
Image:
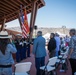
57 38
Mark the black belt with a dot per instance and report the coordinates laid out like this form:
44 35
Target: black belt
5 66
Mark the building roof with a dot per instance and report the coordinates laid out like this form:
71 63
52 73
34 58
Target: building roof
9 8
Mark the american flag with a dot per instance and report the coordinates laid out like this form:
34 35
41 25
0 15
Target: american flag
25 26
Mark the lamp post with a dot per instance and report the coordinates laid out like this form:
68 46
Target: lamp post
35 27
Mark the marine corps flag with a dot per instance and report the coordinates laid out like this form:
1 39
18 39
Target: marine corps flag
25 26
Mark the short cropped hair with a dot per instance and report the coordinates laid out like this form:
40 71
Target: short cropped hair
56 34
73 31
39 33
52 34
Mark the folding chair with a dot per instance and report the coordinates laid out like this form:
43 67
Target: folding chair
23 67
50 66
63 60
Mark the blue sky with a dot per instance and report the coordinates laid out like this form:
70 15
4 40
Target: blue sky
55 13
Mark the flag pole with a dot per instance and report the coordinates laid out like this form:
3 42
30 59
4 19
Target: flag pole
19 20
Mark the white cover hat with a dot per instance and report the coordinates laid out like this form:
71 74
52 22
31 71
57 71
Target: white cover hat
4 34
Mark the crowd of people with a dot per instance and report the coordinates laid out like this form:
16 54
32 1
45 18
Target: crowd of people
21 47
54 47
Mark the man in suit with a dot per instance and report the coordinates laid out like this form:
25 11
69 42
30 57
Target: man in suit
39 51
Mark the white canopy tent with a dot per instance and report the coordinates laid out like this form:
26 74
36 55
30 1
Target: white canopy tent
61 34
